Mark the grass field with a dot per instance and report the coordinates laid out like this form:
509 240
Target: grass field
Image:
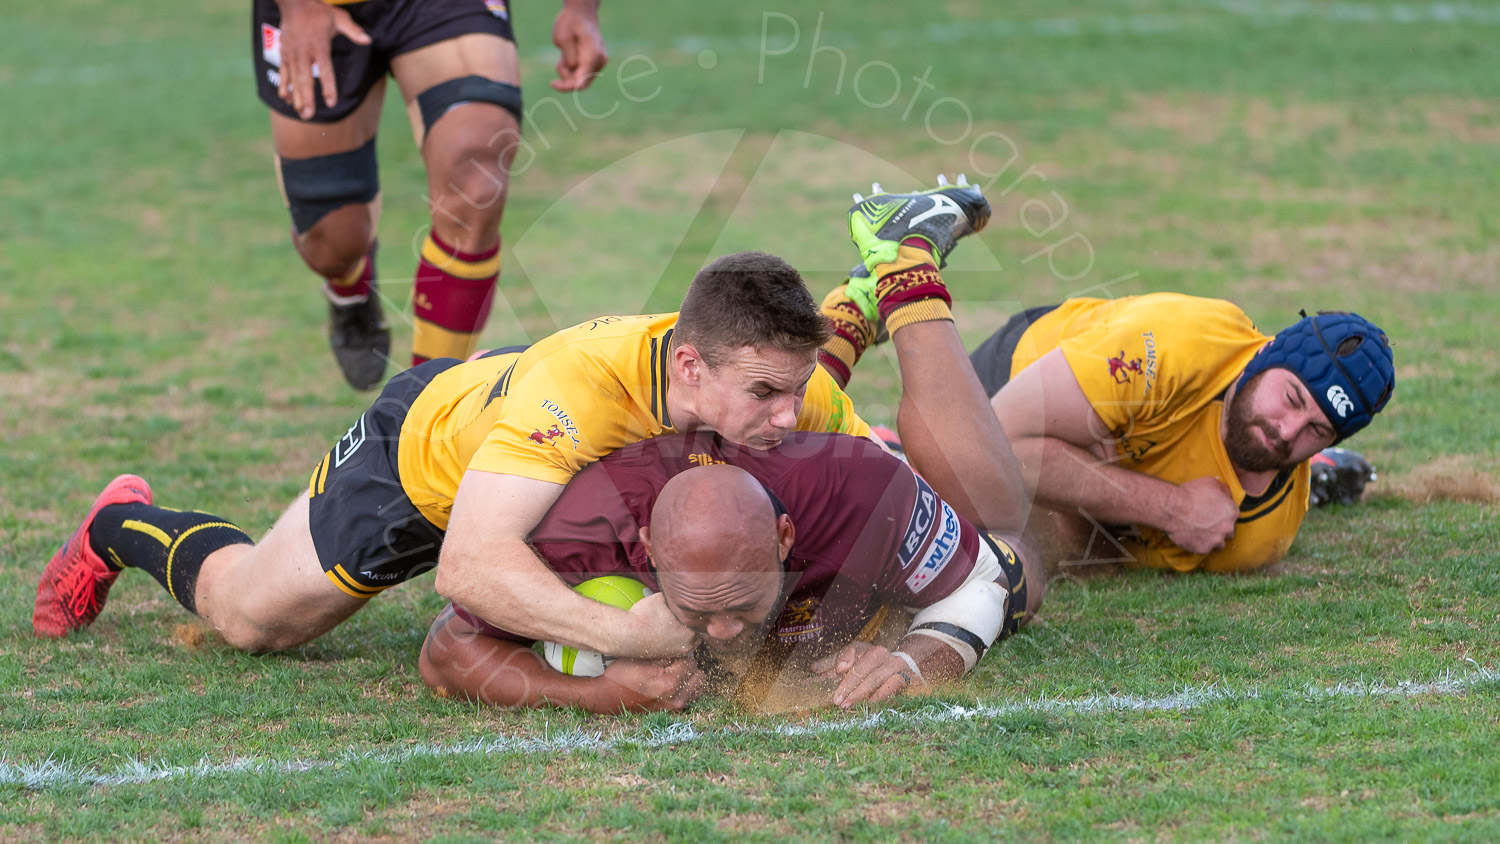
1285 154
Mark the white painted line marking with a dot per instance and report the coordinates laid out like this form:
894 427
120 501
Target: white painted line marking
52 773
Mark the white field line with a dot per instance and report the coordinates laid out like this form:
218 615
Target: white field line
52 773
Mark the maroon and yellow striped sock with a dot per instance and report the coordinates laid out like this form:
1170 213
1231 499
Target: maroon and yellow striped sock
354 285
909 289
852 334
451 299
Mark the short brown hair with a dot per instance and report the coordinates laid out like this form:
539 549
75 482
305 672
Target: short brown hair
750 299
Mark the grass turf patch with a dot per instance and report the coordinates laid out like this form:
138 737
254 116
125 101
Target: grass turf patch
158 321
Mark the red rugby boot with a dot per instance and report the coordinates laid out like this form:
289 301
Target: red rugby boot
76 581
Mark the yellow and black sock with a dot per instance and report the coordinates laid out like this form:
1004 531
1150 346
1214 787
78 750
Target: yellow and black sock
451 299
170 545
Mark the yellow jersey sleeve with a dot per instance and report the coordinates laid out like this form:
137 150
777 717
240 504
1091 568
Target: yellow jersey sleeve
827 408
561 414
1116 365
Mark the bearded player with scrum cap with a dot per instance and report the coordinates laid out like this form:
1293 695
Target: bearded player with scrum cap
1166 431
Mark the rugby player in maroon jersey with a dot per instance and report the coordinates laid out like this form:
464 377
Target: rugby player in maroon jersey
797 548
790 551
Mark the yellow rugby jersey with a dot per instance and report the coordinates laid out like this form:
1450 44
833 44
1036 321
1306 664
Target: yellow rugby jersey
568 400
1155 368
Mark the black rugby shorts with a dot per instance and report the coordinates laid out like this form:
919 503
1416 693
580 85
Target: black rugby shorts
394 26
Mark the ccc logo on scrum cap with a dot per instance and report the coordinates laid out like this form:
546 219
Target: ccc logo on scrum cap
1340 400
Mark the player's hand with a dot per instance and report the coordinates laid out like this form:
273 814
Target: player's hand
870 673
644 685
308 28
576 34
655 632
1204 516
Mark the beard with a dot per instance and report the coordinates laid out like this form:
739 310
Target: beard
1246 449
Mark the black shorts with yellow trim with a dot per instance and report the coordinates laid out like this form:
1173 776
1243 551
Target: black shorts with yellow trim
394 27
368 533
992 358
1015 580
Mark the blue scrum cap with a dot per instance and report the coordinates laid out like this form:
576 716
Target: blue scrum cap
1344 360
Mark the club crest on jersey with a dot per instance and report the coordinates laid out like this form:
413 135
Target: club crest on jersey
498 8
1120 370
919 526
1340 400
939 552
542 438
799 621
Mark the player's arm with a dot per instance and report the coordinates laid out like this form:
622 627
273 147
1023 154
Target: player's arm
308 28
487 566
576 34
459 660
1066 452
947 638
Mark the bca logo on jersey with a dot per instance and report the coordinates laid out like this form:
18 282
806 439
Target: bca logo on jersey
942 549
919 527
1340 400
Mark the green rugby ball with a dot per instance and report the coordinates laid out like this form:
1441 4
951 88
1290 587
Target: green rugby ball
617 591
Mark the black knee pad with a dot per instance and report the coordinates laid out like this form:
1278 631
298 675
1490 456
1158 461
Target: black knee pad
435 101
316 186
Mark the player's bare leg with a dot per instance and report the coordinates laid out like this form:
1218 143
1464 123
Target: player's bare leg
328 179
949 432
274 594
1075 546
947 427
468 143
259 597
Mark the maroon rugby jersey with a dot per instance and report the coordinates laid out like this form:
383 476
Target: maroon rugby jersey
869 530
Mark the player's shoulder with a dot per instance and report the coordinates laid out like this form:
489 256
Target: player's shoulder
605 329
819 462
608 336
1182 312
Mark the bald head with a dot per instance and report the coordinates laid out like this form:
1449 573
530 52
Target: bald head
718 545
714 518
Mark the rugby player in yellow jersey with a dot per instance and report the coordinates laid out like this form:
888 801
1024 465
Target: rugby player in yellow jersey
834 536
456 462
1166 431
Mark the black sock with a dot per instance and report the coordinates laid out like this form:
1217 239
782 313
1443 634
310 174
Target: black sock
169 544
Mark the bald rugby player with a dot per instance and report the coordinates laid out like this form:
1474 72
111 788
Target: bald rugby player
800 549
455 463
1166 431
